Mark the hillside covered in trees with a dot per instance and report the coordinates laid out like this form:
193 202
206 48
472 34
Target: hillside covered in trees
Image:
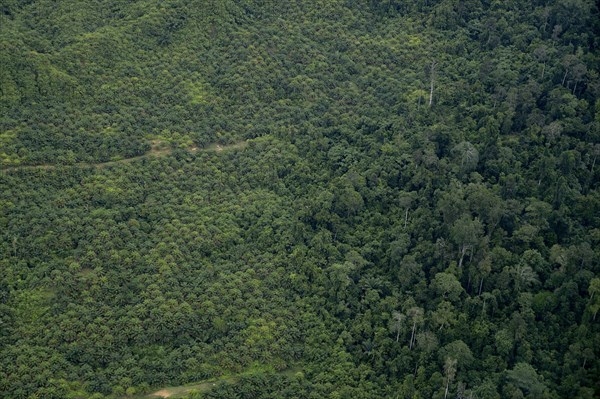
322 199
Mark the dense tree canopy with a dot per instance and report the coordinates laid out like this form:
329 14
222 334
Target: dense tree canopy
350 199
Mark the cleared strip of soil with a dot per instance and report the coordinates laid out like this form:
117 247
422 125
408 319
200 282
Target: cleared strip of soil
157 150
182 390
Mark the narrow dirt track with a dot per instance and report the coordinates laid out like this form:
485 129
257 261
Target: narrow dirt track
156 150
183 390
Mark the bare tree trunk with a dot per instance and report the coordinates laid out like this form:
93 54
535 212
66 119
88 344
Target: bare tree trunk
433 64
406 216
447 386
483 307
450 369
462 256
412 336
480 286
565 77
397 335
543 70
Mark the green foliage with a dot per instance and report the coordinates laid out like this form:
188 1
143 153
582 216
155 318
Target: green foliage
310 204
